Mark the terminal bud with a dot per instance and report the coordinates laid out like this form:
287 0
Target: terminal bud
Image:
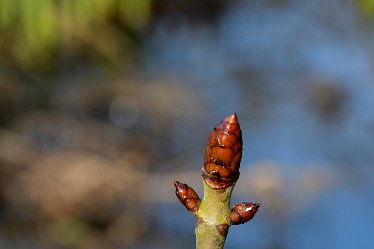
223 153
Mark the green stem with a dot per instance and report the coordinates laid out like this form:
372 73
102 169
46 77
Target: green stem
211 228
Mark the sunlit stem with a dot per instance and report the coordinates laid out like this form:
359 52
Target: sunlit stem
211 228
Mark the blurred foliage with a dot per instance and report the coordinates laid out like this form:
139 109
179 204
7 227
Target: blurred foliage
34 35
69 231
367 7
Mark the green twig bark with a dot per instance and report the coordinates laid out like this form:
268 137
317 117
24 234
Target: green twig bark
212 226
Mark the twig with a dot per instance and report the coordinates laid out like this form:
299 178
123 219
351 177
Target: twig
220 173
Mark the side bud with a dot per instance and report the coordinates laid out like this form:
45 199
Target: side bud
187 196
223 154
242 212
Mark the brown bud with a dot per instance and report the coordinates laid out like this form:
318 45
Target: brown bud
223 154
187 196
242 212
223 229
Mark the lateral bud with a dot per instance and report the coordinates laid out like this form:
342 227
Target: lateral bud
242 212
187 196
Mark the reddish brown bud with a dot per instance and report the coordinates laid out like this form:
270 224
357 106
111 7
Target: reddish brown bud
223 154
242 212
187 196
223 229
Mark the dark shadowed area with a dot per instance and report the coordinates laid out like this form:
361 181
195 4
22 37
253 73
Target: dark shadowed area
104 103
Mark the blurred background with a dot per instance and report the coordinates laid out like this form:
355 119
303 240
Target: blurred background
103 103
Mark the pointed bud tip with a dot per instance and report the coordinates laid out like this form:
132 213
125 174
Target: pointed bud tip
178 184
231 124
231 119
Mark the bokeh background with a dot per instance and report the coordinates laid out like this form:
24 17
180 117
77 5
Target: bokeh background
103 103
